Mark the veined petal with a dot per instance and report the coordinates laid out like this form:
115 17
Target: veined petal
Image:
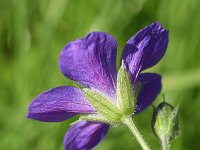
59 104
91 61
84 135
149 85
145 48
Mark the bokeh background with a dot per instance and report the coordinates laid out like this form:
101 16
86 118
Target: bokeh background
32 34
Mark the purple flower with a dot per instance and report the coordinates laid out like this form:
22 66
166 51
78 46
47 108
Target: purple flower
91 61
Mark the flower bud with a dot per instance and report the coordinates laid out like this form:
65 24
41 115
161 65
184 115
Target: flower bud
165 121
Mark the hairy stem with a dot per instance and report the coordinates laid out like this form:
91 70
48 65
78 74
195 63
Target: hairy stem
130 124
165 143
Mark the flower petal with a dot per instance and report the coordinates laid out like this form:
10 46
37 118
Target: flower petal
150 84
59 104
91 61
84 135
145 48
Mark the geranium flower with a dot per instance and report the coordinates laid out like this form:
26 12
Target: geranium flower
91 61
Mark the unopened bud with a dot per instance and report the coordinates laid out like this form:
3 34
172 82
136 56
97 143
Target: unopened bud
165 121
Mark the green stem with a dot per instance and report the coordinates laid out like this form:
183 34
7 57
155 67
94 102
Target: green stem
165 143
129 122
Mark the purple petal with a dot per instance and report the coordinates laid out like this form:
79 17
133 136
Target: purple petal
150 84
59 104
145 48
84 135
91 61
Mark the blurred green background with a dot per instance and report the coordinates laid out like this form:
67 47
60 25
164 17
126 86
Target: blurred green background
32 34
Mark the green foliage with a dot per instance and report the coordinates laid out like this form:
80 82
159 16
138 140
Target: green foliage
32 34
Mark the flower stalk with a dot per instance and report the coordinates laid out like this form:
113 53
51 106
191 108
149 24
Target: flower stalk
128 121
165 143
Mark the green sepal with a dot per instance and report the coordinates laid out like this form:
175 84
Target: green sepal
125 95
95 118
103 105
